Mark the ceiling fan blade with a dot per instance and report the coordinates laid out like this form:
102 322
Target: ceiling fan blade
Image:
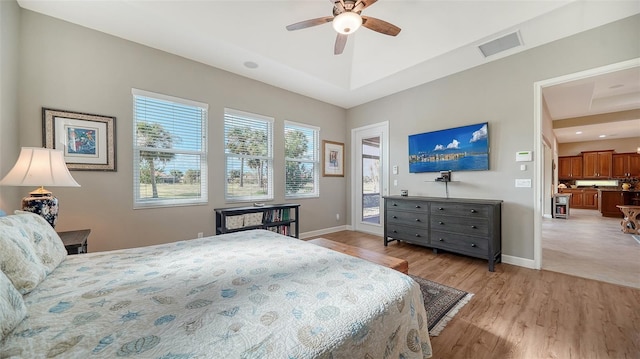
380 26
308 23
363 4
341 41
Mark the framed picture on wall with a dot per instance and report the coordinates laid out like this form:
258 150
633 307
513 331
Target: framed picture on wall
332 159
87 140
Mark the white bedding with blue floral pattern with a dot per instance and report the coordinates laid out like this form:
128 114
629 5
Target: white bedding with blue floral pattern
253 294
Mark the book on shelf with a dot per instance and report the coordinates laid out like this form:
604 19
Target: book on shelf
277 215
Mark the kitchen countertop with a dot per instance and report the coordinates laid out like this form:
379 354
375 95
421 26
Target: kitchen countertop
617 190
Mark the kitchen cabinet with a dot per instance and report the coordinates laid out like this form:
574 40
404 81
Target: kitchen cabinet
583 198
597 164
625 165
570 167
610 199
590 199
575 201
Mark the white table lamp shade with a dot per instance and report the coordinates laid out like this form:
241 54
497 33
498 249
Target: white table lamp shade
40 167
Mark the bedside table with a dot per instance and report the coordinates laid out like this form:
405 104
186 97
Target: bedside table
75 241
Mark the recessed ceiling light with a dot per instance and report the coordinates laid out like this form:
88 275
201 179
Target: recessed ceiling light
250 65
602 136
578 132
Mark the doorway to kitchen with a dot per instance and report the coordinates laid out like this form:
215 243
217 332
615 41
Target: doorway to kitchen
585 244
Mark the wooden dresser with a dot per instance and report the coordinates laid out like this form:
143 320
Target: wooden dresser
471 227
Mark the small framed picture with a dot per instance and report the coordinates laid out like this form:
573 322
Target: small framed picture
332 159
88 140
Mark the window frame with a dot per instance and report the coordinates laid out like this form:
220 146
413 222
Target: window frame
229 112
316 162
203 199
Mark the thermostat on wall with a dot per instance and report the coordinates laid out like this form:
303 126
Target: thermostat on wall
524 156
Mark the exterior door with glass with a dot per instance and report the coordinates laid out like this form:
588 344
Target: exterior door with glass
369 182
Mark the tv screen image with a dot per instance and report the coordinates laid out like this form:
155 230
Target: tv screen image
463 148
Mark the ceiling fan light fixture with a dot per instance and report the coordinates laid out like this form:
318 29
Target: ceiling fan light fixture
347 22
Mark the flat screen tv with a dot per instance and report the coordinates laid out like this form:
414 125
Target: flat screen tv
456 149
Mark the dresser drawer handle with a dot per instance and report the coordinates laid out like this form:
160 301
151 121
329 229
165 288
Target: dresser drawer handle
473 211
418 206
395 205
417 235
442 223
441 239
394 231
473 244
474 227
417 219
440 209
396 217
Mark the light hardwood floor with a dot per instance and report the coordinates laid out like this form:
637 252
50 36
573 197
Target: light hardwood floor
591 246
521 313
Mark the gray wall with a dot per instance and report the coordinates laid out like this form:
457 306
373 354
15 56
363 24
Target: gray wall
65 66
68 67
9 148
500 92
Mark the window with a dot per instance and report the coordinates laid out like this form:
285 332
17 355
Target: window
248 149
169 151
301 158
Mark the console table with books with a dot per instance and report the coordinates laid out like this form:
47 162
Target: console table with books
279 218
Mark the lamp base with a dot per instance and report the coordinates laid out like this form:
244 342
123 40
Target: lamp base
45 206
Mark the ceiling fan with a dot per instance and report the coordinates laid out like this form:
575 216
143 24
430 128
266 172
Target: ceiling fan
346 20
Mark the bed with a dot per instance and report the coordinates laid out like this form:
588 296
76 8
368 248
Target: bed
252 294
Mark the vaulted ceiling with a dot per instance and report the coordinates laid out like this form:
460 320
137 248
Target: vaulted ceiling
438 37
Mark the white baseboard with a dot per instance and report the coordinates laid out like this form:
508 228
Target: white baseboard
324 231
518 261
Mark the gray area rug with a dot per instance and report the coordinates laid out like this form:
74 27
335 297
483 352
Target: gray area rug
441 303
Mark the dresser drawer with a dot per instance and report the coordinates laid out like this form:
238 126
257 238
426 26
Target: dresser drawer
478 247
472 226
460 209
406 233
405 205
417 219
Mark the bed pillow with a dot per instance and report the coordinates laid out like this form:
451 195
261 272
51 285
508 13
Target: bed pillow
12 308
18 259
46 242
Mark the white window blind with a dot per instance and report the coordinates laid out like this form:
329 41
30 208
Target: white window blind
301 160
248 147
169 150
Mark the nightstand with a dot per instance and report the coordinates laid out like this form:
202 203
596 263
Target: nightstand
75 241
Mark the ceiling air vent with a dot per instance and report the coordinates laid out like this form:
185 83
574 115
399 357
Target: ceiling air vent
500 44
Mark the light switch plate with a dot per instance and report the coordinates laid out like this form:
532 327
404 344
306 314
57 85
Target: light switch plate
395 170
523 182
